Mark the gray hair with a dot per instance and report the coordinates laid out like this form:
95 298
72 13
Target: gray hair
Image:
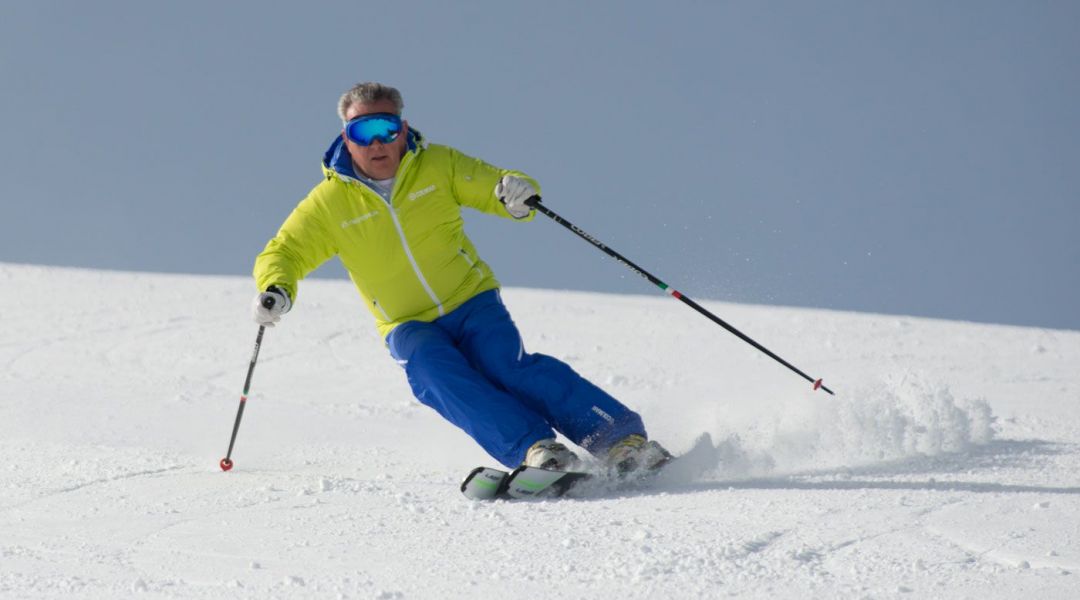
369 92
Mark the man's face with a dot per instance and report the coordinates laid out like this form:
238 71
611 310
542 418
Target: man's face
379 160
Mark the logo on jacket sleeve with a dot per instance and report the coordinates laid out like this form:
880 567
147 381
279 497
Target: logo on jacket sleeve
360 219
421 193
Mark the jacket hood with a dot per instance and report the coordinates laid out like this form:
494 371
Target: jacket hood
337 159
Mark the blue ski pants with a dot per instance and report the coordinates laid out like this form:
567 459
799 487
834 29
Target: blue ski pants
471 367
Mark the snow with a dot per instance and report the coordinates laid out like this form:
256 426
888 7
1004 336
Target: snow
946 466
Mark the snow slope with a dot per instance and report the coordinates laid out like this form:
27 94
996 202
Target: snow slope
946 466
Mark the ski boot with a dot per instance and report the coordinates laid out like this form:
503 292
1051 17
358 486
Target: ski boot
551 455
634 454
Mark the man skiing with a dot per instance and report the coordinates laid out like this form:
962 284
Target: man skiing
389 207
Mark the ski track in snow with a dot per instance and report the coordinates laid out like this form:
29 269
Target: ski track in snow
945 467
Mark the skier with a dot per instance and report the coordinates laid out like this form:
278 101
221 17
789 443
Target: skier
389 208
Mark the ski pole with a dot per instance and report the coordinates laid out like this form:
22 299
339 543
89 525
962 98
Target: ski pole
227 463
534 202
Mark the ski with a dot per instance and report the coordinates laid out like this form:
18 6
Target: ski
486 483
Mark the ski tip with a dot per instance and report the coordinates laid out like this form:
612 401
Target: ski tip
468 478
483 483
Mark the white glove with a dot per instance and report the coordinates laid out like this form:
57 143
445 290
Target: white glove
513 192
269 306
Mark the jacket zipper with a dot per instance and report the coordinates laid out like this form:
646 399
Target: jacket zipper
382 310
405 242
468 259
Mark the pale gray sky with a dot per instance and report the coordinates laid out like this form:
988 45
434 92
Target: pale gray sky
916 158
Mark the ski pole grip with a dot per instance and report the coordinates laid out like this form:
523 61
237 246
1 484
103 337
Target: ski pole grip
533 201
268 302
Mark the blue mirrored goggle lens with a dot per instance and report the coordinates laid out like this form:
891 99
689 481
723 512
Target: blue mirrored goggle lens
364 130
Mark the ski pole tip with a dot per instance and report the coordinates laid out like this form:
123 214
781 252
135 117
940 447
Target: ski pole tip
226 464
820 386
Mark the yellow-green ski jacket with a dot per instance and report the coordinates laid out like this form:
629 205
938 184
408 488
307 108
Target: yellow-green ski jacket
407 255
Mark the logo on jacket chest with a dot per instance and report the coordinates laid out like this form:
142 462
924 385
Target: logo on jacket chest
421 193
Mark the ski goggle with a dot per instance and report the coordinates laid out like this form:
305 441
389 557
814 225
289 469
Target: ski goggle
364 130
